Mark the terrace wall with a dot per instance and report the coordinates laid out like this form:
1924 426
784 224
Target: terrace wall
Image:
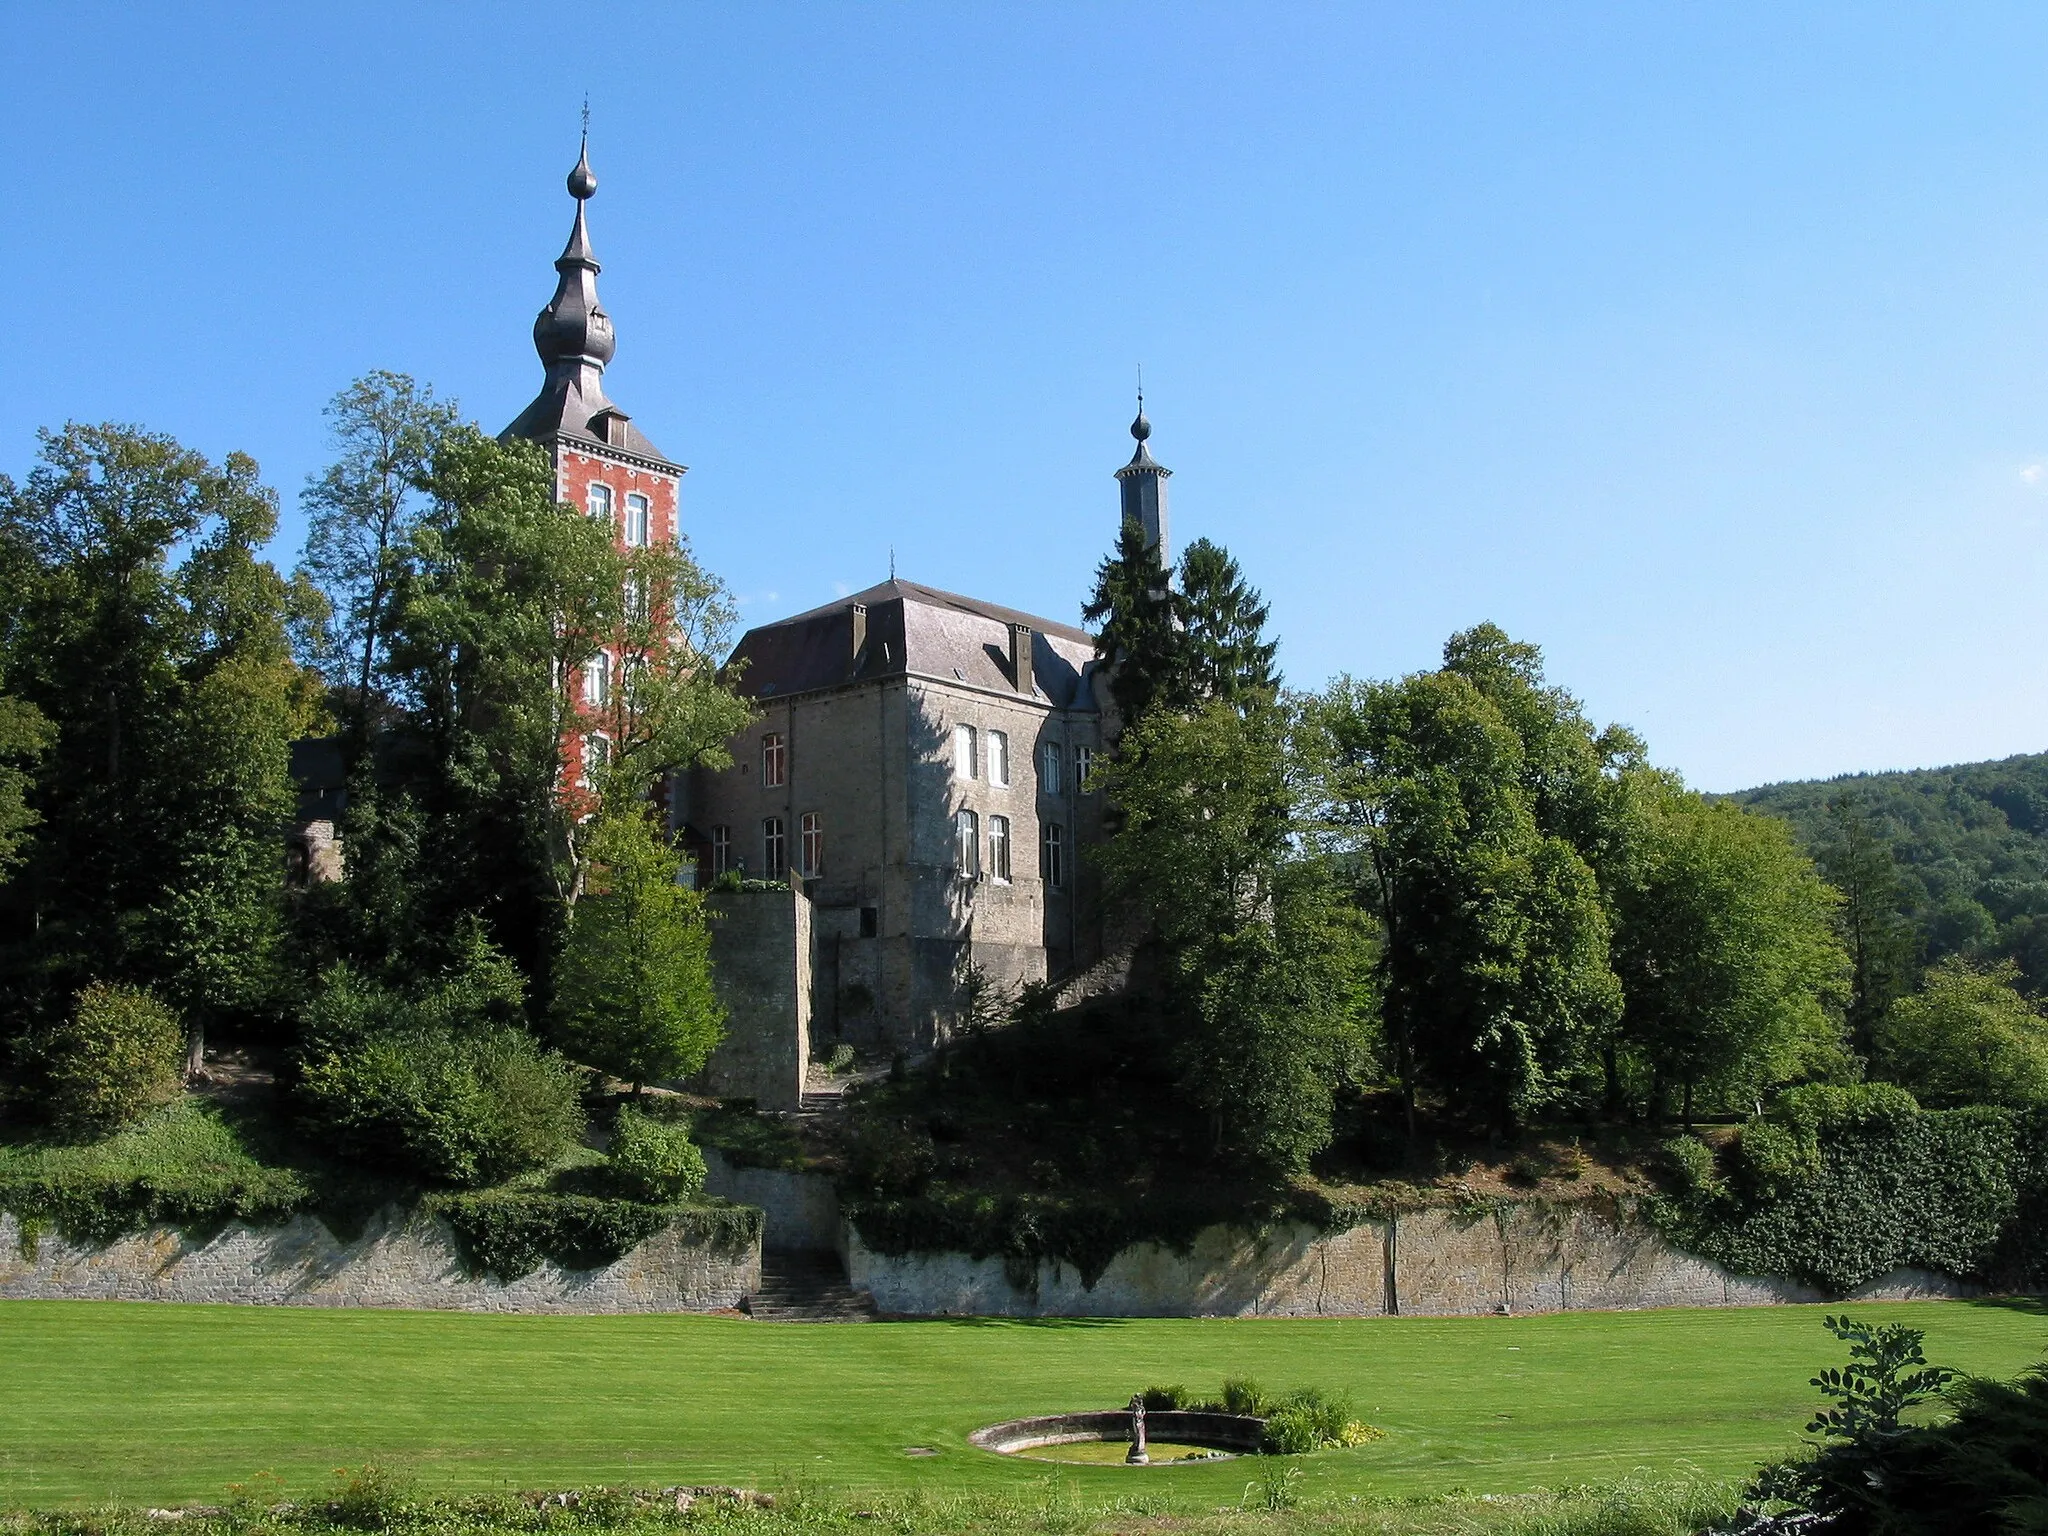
1430 1264
402 1259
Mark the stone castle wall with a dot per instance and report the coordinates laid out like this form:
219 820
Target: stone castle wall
403 1259
1430 1264
761 955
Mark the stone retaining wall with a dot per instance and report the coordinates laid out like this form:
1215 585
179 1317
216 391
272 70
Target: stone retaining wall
798 1210
1430 1264
402 1259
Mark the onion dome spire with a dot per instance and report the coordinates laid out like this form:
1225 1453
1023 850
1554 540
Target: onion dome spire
573 336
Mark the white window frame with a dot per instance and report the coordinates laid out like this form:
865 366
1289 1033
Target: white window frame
639 519
598 501
721 850
1084 763
597 680
998 755
967 844
811 830
636 599
595 752
774 849
966 752
1052 856
774 760
999 849
1049 762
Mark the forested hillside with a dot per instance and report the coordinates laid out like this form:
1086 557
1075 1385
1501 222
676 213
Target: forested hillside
1957 856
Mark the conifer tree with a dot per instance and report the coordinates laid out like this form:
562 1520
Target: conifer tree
1134 610
1221 645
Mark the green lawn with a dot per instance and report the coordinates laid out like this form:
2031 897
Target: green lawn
153 1403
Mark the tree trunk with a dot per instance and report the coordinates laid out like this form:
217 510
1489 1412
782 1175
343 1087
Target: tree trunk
195 1053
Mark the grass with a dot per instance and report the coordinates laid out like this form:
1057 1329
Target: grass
127 1403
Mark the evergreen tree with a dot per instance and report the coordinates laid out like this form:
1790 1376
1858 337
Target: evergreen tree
1136 638
633 988
1222 650
1858 862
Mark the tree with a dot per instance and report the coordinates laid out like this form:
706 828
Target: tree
154 644
24 737
1137 640
115 1059
633 988
360 512
1967 1037
1859 863
1223 652
1258 958
1725 946
1495 982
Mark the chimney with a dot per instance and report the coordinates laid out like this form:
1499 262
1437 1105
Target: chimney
860 636
1020 657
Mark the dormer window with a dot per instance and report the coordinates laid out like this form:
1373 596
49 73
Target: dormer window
637 519
598 501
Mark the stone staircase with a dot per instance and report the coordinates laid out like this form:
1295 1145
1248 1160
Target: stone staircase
807 1287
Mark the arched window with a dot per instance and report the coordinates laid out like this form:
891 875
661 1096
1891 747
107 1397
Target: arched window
599 500
1049 768
999 848
967 844
999 759
636 519
774 760
964 752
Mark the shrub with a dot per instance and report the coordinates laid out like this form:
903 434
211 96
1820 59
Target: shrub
1167 1399
118 1057
1305 1421
654 1158
448 1108
1692 1165
1243 1395
510 1233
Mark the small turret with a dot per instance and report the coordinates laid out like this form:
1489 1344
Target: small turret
1143 482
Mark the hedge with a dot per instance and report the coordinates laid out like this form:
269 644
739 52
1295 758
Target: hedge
511 1233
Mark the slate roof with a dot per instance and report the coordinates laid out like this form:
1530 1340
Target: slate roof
914 629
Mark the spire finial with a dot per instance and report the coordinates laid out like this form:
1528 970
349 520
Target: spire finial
583 185
1141 428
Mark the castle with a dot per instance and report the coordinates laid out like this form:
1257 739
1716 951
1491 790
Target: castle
915 784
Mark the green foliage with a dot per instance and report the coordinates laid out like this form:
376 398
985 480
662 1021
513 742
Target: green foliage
115 1059
1940 861
148 657
1243 1395
1859 863
183 1166
1725 946
656 1157
633 985
1887 1373
435 1083
1306 1421
24 736
1967 1037
510 1233
1133 611
1163 1399
748 1139
1843 1185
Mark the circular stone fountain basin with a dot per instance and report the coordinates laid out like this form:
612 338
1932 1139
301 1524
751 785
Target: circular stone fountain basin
1173 1436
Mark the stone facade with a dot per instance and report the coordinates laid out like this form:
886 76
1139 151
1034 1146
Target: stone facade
403 1259
882 719
761 957
1430 1264
799 1211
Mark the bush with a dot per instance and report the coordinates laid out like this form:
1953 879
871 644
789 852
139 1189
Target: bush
1305 1421
119 1056
1167 1399
183 1166
446 1107
510 1233
1243 1395
1692 1165
656 1159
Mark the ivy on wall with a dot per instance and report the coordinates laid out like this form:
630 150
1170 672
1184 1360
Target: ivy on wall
1839 1186
511 1233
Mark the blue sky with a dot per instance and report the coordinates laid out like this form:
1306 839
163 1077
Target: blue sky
1705 346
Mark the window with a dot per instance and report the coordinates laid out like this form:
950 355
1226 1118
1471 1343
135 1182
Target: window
774 761
1049 768
1052 856
597 751
963 752
632 675
599 501
636 599
967 844
774 851
636 519
999 848
813 829
1084 759
597 681
999 759
721 850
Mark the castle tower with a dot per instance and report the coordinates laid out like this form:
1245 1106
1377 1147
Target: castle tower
1143 482
603 462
